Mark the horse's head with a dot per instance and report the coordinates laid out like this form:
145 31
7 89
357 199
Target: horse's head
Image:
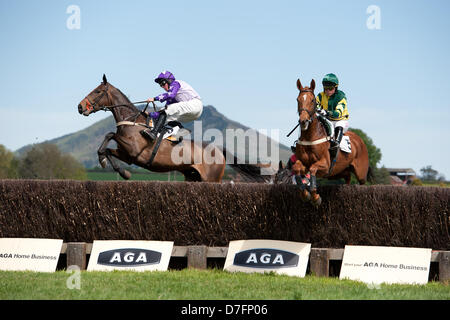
96 99
306 101
283 175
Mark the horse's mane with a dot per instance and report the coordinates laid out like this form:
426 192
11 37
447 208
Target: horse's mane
128 101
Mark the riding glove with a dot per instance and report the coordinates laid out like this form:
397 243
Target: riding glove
154 115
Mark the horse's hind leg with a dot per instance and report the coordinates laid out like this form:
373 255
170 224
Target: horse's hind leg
211 172
347 175
360 172
192 175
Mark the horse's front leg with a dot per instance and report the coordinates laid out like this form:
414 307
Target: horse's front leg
105 154
299 171
102 158
303 185
315 197
114 153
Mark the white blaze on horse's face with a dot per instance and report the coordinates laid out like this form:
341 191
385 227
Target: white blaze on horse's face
304 113
304 124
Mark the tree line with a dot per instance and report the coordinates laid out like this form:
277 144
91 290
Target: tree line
42 161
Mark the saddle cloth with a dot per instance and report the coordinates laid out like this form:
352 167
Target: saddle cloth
173 131
345 145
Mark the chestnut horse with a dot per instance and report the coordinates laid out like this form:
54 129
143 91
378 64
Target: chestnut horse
133 148
312 150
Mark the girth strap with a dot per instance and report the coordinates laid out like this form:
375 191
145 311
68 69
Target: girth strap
130 123
311 143
156 147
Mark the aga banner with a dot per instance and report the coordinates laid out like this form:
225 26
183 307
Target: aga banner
376 265
283 257
20 254
134 255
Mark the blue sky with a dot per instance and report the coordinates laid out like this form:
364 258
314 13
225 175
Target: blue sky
243 57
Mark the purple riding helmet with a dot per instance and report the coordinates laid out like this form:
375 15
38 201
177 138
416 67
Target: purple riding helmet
165 76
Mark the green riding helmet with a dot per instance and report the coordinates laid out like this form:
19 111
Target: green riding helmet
330 80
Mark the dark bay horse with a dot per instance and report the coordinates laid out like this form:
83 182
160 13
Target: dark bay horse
200 162
312 149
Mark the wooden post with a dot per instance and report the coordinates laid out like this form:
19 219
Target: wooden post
76 254
196 256
319 262
444 266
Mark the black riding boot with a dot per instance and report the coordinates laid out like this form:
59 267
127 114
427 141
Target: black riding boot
338 133
334 144
159 124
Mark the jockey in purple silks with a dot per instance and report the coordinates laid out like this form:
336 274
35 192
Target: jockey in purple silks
183 103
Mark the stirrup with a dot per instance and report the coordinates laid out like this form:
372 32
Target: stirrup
148 134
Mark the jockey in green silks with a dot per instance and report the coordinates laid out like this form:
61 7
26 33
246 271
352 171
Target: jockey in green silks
332 104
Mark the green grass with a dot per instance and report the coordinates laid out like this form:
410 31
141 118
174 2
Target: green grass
204 285
135 176
142 175
437 184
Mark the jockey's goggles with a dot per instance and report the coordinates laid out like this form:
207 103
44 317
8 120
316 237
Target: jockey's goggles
329 87
162 83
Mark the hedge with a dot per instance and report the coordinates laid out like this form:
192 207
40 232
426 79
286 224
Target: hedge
212 214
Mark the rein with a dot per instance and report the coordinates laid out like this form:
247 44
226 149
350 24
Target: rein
300 110
126 104
130 105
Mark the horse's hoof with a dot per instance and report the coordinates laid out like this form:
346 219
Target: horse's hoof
316 201
125 174
103 161
305 195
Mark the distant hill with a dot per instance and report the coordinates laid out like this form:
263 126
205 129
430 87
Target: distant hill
83 144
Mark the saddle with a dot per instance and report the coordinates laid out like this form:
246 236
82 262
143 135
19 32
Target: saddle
172 131
345 145
326 124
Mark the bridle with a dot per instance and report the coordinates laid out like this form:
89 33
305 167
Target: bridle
92 105
312 112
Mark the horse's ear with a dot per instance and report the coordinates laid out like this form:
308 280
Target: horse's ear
280 165
299 85
312 86
104 79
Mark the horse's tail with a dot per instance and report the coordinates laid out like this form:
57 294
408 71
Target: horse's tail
370 175
250 172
